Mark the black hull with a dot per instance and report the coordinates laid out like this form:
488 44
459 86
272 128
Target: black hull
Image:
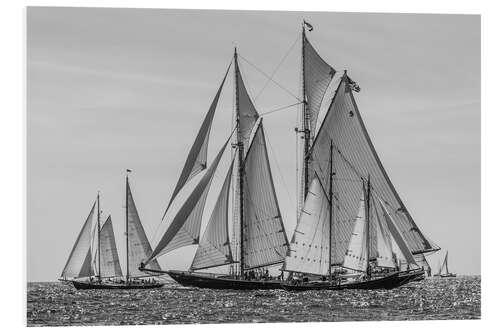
189 279
391 281
85 285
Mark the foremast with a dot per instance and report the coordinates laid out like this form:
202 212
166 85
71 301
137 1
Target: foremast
98 238
305 130
127 189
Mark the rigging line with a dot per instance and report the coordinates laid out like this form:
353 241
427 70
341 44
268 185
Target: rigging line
279 169
270 78
280 109
277 67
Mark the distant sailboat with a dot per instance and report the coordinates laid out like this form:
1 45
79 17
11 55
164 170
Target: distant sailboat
89 268
443 269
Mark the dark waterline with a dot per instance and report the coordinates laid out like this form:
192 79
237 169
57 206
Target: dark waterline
56 304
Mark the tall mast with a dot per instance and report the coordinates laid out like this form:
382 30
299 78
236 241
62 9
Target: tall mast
127 189
330 198
305 120
98 238
367 205
240 161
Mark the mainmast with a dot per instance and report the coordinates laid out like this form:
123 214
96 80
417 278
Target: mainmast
98 238
330 224
305 121
241 166
126 224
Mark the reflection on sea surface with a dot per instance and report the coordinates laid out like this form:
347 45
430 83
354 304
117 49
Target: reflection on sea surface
56 304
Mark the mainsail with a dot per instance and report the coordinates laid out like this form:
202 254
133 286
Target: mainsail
110 262
185 227
265 240
356 254
197 158
79 263
214 248
355 158
310 245
139 248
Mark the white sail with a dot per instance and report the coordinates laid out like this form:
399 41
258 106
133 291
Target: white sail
265 239
214 248
385 254
79 263
185 227
247 114
110 262
398 237
197 158
139 248
355 158
356 254
317 76
445 265
310 245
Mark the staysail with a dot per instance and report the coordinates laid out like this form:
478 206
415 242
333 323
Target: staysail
214 248
185 227
110 262
356 254
355 158
79 263
265 240
197 158
139 248
310 245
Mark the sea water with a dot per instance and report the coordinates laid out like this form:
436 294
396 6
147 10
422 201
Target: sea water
57 304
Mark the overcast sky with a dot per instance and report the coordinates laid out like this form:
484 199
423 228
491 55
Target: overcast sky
110 89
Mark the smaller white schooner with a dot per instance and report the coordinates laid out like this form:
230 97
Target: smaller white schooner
98 267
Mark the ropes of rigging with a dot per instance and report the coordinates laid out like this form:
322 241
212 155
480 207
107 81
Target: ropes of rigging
269 77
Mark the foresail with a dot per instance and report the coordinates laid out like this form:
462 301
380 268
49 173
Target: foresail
310 245
139 248
354 159
317 76
80 258
110 262
197 158
265 239
214 248
356 254
247 114
185 227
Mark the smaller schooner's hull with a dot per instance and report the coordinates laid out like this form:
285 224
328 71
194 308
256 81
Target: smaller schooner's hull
82 285
449 275
391 281
198 280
